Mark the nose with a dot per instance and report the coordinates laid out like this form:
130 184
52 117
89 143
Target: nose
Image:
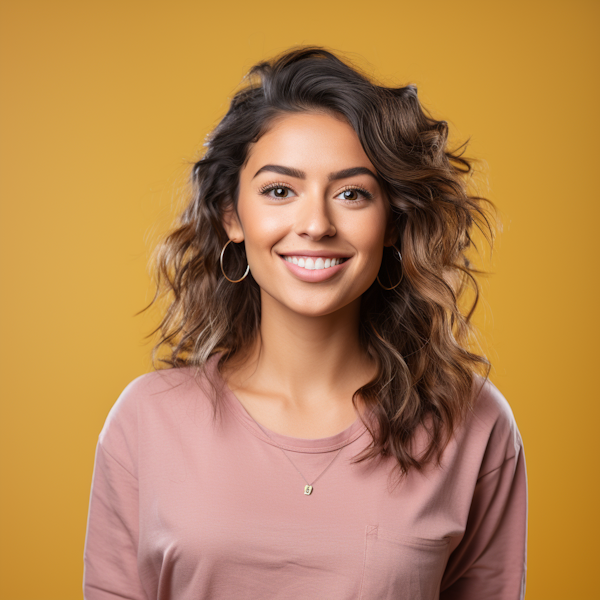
313 219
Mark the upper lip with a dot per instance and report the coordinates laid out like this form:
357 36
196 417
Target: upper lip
321 253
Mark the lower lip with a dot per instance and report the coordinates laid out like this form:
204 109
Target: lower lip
314 275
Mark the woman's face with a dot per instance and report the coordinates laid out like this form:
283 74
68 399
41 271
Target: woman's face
308 198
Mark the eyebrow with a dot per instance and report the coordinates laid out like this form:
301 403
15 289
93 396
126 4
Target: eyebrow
298 174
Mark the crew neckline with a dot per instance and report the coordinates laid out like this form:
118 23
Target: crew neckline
286 442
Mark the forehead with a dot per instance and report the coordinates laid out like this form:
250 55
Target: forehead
313 142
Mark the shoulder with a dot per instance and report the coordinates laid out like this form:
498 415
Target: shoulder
490 427
148 403
142 392
493 410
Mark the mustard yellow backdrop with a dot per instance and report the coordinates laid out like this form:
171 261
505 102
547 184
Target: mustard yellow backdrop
101 106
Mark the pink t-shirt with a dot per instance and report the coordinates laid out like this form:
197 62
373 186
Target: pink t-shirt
182 507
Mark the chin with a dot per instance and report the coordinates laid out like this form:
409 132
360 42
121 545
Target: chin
310 308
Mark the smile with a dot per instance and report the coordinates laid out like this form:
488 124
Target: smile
314 263
314 269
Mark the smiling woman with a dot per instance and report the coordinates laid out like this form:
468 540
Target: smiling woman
321 427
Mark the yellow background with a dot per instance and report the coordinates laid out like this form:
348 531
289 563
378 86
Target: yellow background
103 104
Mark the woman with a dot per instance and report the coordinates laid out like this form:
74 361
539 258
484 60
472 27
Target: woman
322 430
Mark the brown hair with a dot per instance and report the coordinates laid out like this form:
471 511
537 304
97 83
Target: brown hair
416 332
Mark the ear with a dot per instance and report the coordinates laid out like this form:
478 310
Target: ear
232 225
391 234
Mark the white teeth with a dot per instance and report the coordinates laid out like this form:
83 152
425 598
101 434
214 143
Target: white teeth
313 264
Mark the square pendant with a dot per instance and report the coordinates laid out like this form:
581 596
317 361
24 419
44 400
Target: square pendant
308 490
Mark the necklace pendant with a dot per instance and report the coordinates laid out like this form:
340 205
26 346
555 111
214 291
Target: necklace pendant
308 490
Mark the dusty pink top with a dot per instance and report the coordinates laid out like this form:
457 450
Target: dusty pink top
185 508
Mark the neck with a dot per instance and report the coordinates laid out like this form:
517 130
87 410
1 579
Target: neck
306 361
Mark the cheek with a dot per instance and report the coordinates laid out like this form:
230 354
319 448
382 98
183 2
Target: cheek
260 223
369 244
264 229
368 236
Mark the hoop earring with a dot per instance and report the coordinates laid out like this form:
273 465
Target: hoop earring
401 278
222 271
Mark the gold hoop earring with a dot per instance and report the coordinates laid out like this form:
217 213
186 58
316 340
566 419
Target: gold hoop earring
401 278
222 271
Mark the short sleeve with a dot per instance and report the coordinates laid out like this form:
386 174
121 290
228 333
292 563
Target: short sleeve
490 560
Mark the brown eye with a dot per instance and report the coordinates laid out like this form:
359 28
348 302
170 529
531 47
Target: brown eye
276 191
355 195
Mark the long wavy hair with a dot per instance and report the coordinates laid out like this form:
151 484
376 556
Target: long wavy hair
417 332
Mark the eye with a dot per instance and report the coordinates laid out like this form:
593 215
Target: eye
279 190
355 194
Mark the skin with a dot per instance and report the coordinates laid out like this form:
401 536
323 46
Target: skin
299 376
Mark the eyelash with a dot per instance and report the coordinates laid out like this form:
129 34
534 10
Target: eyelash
265 189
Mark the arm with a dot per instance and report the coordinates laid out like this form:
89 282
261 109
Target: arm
490 560
110 555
